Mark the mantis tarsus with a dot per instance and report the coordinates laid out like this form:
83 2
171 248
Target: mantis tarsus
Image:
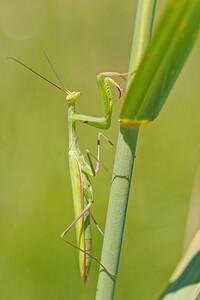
80 170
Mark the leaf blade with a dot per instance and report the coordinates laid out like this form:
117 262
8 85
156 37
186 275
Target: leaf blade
162 62
185 281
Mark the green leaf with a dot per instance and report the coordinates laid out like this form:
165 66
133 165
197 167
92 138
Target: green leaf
185 281
162 62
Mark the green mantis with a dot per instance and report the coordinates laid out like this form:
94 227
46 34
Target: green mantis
80 170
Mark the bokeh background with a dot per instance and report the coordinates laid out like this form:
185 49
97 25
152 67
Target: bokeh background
83 38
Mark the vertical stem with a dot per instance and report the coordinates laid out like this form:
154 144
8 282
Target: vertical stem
142 31
124 160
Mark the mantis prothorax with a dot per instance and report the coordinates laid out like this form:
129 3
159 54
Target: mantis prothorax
80 170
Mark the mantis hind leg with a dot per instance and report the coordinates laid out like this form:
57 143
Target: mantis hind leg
70 226
93 257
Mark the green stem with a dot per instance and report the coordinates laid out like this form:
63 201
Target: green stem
142 31
124 160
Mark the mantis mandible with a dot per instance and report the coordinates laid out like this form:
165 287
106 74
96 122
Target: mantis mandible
80 170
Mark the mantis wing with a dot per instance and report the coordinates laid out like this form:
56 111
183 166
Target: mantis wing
82 195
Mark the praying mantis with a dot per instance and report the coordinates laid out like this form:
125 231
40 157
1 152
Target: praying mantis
80 170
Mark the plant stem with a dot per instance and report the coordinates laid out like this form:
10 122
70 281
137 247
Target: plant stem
142 31
124 160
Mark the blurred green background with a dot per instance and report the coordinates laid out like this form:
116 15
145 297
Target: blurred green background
83 38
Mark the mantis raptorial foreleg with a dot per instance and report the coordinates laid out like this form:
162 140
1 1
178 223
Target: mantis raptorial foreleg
107 101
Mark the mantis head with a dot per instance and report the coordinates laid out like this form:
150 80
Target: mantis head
72 96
